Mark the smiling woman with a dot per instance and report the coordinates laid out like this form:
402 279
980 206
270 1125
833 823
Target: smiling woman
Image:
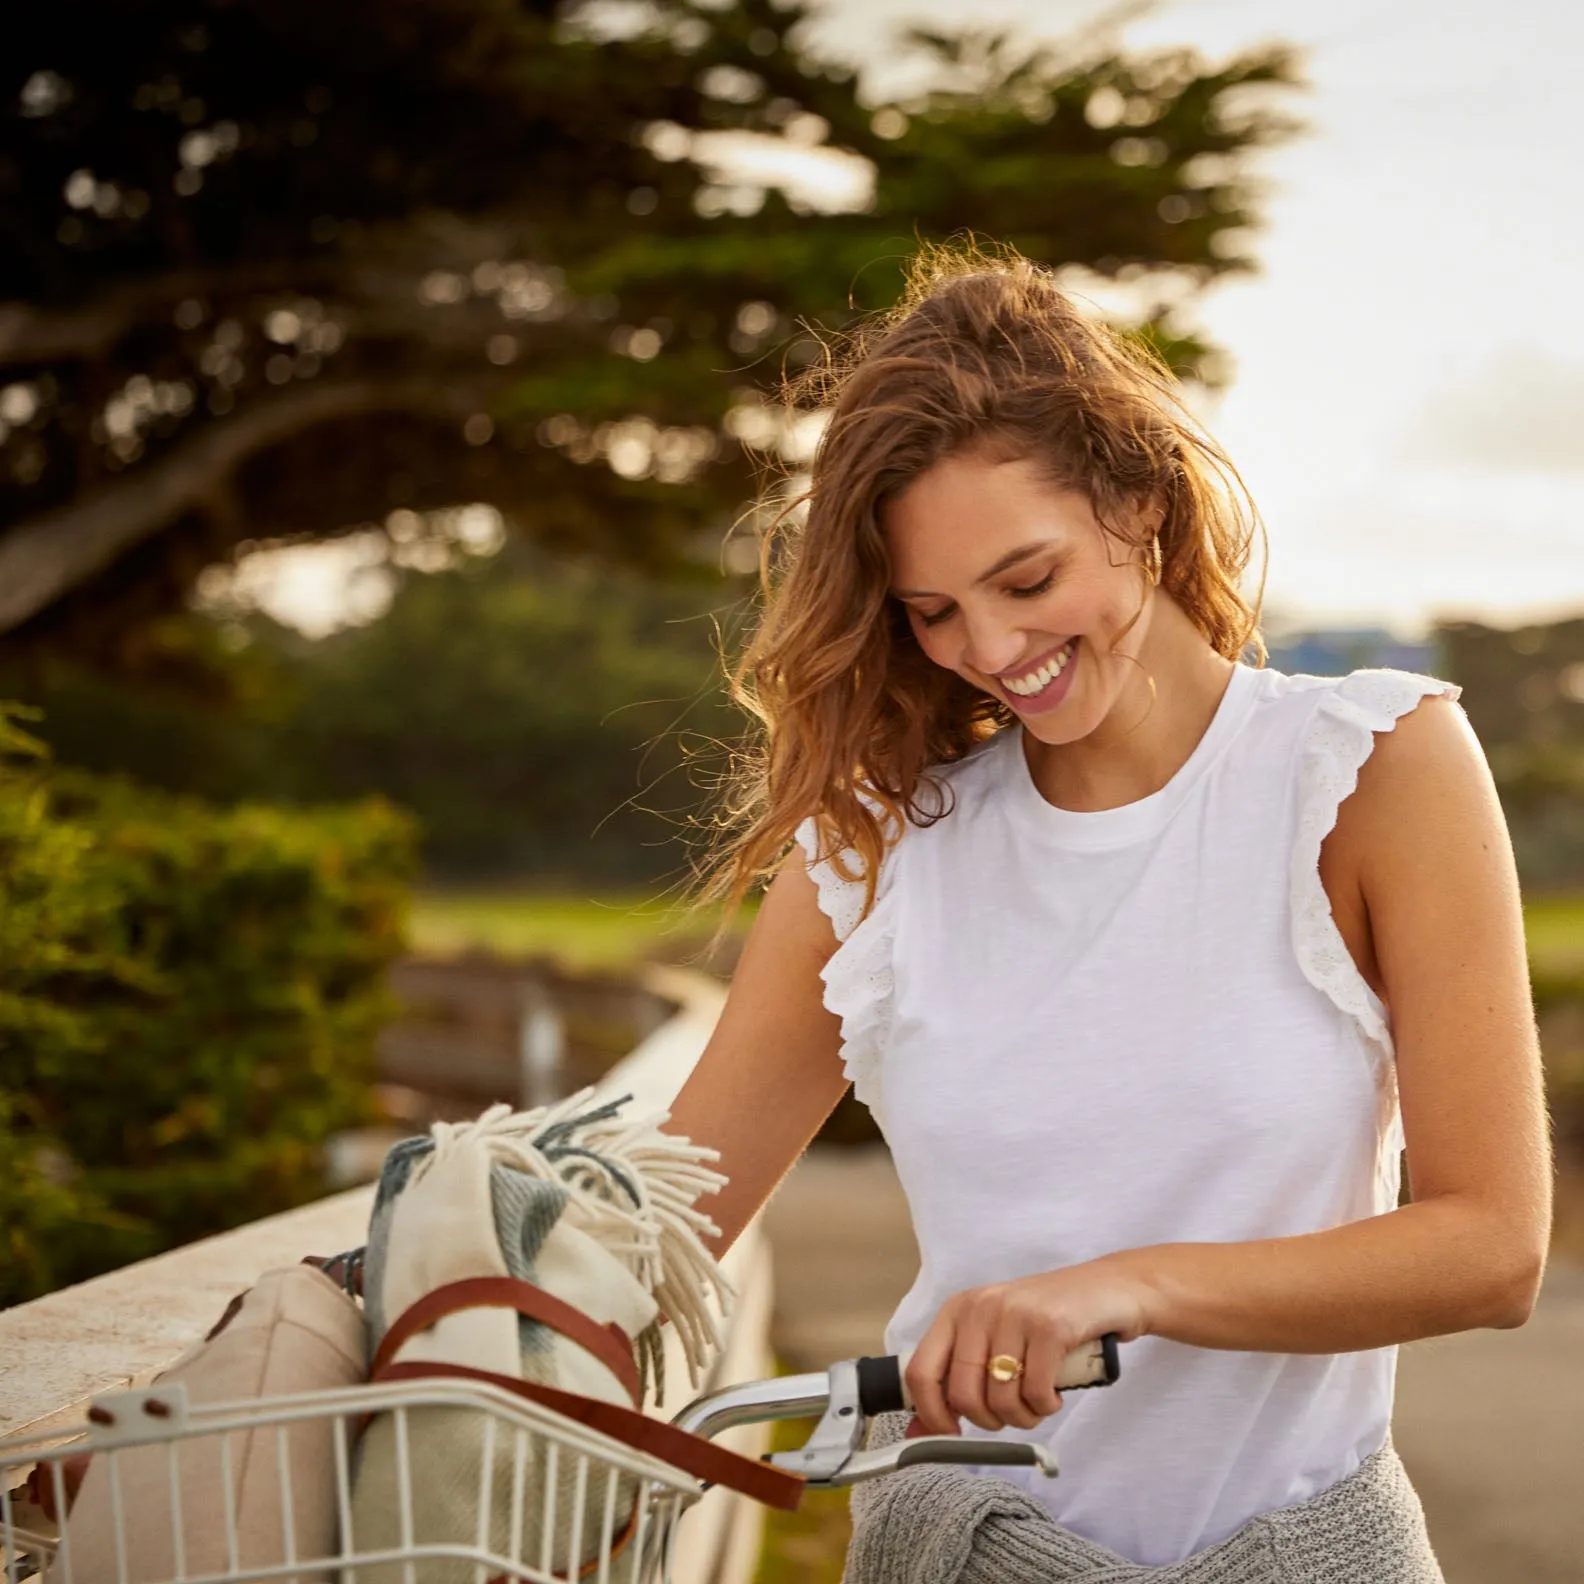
1052 446
1149 962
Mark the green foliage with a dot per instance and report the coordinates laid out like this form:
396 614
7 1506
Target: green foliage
1554 929
808 1546
584 929
537 717
531 722
1542 792
1559 1006
188 997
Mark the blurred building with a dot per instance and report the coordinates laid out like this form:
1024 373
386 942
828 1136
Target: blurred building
1334 651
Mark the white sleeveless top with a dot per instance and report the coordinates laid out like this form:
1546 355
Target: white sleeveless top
1084 1032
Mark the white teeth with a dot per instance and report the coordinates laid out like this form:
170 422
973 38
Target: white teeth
1026 687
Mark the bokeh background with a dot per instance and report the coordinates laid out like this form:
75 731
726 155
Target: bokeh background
389 413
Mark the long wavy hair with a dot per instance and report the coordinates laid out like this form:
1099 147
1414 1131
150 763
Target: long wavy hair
982 350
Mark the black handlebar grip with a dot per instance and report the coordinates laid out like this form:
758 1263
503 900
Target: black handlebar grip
1112 1359
880 1386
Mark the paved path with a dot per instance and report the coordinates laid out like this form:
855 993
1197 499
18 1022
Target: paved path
1491 1427
1490 1423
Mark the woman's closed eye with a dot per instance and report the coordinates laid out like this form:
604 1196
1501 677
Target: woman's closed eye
1029 590
1023 591
1016 591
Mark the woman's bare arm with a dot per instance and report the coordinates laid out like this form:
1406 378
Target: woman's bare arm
771 1072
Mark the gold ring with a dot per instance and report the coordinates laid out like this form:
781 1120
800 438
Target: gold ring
1003 1367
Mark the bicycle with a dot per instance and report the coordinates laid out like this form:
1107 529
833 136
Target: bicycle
631 1543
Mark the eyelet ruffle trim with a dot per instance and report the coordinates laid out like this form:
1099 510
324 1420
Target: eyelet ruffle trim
859 986
1340 737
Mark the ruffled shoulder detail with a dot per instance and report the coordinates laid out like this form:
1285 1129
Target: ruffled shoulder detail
1339 737
859 983
841 900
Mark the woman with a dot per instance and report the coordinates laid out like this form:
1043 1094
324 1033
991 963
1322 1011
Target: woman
1132 948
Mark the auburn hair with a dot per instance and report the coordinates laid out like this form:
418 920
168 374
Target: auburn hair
983 350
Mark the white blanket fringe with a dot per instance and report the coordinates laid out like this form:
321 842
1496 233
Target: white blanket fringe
634 1188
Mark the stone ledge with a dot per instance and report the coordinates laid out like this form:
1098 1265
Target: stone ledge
61 1350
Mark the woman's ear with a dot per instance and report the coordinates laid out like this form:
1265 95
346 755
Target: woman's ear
1148 515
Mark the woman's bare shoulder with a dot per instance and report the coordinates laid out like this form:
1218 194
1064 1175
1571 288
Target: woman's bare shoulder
1427 775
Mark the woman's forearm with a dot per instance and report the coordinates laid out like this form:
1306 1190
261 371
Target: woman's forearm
1426 1269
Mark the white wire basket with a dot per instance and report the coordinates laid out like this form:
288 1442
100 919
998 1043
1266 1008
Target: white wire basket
469 1484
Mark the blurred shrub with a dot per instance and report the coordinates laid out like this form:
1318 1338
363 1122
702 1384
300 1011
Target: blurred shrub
188 998
1542 793
1523 689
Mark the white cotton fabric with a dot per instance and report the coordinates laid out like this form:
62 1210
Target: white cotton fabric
1083 1032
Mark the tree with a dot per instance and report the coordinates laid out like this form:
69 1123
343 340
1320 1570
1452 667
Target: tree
270 269
536 719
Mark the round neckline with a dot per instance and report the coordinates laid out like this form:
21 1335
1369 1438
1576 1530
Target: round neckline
1093 829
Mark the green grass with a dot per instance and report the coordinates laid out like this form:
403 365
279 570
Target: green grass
617 928
808 1546
1555 929
594 930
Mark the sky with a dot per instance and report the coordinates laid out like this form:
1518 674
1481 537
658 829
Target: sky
1408 403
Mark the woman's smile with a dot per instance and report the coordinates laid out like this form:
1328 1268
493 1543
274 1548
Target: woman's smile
1043 685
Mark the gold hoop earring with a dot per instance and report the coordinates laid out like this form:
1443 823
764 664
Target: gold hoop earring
1156 564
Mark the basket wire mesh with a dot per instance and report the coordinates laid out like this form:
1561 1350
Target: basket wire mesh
554 1502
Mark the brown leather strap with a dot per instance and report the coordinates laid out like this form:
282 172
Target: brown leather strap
41 1484
608 1343
690 1453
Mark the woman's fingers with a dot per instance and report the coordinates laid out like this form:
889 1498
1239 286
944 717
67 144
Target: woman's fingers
1023 1401
1041 1367
926 1376
949 1378
967 1378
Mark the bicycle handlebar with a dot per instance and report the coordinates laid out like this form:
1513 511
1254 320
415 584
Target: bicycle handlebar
851 1392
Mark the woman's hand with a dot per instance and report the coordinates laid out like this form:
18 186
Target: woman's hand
1038 1320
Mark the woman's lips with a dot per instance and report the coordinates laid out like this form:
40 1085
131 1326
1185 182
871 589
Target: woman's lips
1052 693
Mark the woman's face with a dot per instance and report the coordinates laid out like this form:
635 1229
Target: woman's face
1014 585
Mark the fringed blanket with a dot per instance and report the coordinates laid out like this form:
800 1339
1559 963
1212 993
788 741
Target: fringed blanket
592 1208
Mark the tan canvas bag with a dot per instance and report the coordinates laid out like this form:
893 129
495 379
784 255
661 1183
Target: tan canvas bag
294 1331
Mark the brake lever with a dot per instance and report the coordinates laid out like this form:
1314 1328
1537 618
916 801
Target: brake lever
871 1464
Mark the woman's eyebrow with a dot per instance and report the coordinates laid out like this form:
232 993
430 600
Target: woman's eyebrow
1010 559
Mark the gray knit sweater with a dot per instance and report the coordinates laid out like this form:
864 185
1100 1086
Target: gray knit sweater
940 1525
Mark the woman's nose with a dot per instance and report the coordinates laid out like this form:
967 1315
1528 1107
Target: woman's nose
991 646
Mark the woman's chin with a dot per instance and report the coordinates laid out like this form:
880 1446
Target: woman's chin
1059 729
